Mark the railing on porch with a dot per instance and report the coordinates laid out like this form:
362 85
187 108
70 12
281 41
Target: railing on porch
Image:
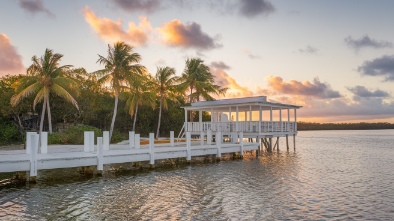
247 127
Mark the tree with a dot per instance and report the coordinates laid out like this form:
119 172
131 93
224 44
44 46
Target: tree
119 66
166 90
43 77
141 93
197 78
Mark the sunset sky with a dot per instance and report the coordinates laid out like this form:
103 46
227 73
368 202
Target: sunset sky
333 57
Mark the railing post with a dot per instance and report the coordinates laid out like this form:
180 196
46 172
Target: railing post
218 139
209 137
34 138
44 142
137 141
28 142
100 150
188 147
91 141
171 138
152 148
241 143
105 140
202 138
86 141
131 139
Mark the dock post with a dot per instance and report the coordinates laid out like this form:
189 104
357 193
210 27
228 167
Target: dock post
171 138
277 143
86 141
100 150
131 139
152 149
28 142
34 138
188 147
270 144
218 139
287 141
202 138
91 141
137 141
44 142
209 137
105 140
241 142
294 142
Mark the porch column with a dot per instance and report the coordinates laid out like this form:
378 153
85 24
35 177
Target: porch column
186 120
271 119
237 118
250 118
200 119
280 119
211 115
295 120
260 119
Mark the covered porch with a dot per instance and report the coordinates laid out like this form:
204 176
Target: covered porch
254 116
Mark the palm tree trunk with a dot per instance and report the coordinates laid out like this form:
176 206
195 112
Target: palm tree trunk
49 116
135 116
158 125
114 115
43 115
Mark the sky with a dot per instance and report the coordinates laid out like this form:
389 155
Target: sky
335 58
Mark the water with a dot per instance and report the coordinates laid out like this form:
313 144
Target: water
332 175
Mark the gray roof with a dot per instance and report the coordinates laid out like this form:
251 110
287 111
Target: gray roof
243 103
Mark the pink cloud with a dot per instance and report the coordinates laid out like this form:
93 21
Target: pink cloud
112 31
10 60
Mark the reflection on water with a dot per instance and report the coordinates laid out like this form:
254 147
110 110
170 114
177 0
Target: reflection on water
332 175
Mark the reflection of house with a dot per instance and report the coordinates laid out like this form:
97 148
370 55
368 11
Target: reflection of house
254 116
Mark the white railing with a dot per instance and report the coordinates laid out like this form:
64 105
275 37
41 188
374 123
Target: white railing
248 126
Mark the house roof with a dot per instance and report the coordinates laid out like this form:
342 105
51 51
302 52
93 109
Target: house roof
243 104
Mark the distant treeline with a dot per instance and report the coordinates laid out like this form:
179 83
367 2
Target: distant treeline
343 126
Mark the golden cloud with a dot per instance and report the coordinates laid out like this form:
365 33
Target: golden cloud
10 60
112 31
175 33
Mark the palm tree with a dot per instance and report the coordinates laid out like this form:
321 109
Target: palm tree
166 89
43 77
119 65
197 78
141 93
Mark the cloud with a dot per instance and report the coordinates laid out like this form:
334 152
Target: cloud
366 42
315 89
361 91
383 66
34 6
220 65
138 5
10 60
225 80
308 50
189 35
112 31
250 55
253 8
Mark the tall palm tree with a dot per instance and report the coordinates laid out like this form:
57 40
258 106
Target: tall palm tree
197 78
141 93
43 77
166 90
119 65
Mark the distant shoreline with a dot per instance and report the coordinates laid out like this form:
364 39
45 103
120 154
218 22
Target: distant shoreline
303 126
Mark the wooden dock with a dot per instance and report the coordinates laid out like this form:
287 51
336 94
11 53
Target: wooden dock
41 157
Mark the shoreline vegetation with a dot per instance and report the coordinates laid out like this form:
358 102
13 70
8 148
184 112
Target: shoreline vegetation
343 126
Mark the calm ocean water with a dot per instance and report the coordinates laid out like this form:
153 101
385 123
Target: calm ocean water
332 175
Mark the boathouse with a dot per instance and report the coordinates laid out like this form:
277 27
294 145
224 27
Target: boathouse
256 117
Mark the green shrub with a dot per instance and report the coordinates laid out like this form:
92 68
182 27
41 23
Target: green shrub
8 133
73 135
118 137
